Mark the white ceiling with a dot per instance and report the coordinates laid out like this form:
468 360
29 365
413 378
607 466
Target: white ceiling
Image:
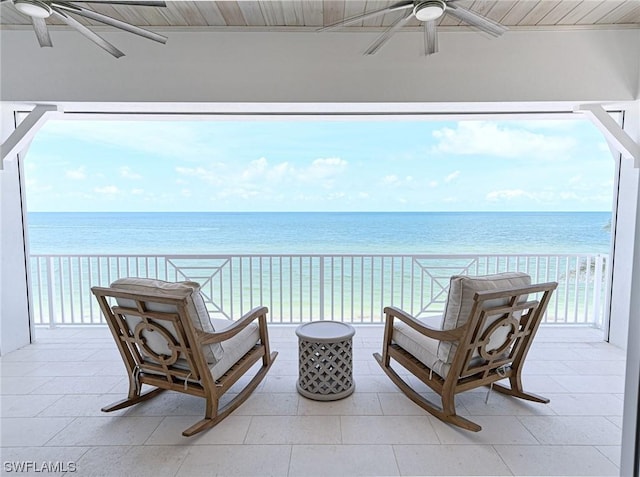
567 62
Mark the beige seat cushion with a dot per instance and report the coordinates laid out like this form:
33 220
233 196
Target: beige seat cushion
423 348
236 347
196 310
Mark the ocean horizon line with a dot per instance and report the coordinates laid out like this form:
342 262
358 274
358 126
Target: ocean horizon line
320 212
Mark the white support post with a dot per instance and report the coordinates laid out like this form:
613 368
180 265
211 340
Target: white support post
616 136
25 131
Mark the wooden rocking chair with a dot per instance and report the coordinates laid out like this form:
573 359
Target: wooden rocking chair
484 336
167 340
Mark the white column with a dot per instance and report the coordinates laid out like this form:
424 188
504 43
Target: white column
629 459
15 329
628 189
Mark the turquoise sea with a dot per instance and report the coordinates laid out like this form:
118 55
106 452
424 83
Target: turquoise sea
319 232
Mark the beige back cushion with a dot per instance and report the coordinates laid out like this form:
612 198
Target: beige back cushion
196 309
460 302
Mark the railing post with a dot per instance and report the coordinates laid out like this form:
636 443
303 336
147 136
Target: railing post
321 291
597 290
50 278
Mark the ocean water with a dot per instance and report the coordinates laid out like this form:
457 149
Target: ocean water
319 232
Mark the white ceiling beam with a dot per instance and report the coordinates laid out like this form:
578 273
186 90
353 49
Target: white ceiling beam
616 136
25 131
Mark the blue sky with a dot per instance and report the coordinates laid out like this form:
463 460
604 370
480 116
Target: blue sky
319 165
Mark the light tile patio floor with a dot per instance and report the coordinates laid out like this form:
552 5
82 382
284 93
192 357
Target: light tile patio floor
52 392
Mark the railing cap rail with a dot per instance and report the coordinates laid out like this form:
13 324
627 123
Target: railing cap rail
320 255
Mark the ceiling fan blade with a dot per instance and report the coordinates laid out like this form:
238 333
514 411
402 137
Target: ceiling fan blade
382 39
473 19
430 37
110 21
392 8
140 3
97 39
42 32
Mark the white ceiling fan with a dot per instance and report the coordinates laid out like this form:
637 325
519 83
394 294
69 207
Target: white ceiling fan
428 12
40 10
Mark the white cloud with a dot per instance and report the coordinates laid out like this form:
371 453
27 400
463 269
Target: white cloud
575 179
394 180
326 168
280 171
322 172
107 190
433 184
569 195
261 169
76 174
258 177
127 173
454 175
493 139
255 169
207 175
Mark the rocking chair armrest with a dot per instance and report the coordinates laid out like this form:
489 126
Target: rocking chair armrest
258 313
455 334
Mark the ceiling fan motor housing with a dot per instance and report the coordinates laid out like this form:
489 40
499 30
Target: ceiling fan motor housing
33 8
429 10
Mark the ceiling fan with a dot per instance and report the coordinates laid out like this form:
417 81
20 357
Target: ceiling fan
40 10
428 12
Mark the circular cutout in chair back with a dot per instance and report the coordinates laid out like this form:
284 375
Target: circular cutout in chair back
171 343
498 337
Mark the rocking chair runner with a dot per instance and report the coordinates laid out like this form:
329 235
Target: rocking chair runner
484 337
167 340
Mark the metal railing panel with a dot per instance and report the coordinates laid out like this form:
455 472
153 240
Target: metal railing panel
307 287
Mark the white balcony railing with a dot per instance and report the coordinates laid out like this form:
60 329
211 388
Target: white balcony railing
298 288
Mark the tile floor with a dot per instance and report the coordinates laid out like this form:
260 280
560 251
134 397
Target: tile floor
52 392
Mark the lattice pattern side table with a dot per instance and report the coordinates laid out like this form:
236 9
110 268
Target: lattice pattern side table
325 354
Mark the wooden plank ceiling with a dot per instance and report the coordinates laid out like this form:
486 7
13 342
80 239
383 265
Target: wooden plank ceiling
312 14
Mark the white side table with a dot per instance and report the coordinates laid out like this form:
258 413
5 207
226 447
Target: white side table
325 354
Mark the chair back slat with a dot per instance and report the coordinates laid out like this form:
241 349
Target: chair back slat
170 327
499 330
161 343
